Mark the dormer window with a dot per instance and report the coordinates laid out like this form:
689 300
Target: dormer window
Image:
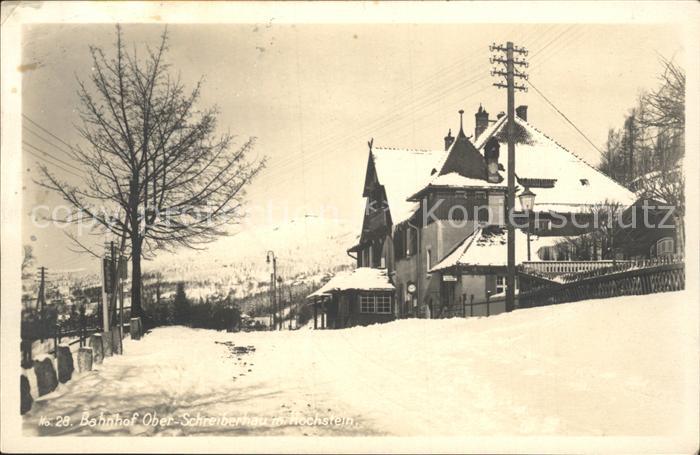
585 182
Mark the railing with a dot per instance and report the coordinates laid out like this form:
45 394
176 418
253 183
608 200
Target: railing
656 276
554 268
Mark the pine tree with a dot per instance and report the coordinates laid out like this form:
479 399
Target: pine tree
182 306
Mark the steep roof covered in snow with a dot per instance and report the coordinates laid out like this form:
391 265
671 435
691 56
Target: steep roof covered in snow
402 172
360 279
489 247
454 180
578 185
463 167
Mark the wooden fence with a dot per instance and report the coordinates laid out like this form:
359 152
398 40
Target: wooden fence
625 279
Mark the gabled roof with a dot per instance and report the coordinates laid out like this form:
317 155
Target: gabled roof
463 167
464 159
488 246
402 172
537 156
360 279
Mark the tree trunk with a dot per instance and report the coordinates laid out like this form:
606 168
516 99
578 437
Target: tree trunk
136 310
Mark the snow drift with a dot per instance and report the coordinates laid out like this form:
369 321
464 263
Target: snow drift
616 367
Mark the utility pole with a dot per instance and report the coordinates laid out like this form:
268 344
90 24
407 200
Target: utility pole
106 284
273 288
510 74
280 303
41 300
272 305
290 307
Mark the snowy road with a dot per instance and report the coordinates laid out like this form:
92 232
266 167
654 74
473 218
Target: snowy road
607 367
180 381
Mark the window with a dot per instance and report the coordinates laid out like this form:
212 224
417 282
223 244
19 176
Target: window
383 304
664 246
409 241
480 195
413 246
400 243
370 303
543 225
585 182
366 304
497 209
428 263
501 283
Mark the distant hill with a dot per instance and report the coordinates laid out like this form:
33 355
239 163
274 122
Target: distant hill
308 250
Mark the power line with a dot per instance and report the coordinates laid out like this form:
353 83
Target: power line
391 117
47 141
565 117
566 30
48 132
70 165
53 164
425 100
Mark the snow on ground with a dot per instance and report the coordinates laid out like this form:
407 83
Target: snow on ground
614 367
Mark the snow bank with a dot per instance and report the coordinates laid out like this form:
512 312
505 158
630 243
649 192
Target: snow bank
607 367
616 367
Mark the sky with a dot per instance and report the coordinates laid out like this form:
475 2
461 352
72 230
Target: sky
313 95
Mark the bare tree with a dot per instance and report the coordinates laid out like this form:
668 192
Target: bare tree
157 174
666 105
598 242
667 186
28 261
652 137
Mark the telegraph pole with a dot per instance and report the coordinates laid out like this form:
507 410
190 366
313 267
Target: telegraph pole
510 74
41 300
106 285
273 288
290 307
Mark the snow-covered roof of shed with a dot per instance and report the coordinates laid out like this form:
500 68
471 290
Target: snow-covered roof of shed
489 247
403 172
578 184
360 279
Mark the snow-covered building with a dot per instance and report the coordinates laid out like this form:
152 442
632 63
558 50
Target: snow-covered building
359 297
434 218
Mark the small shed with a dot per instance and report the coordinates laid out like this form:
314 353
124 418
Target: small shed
360 297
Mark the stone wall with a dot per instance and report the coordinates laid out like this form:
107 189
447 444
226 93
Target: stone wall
48 372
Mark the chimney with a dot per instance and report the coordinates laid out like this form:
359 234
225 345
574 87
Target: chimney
449 140
521 111
482 122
